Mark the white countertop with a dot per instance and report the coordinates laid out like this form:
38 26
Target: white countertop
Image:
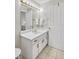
31 35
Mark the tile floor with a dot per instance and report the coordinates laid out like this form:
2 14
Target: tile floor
51 53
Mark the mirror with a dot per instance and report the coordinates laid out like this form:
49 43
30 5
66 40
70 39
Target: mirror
35 18
26 20
31 19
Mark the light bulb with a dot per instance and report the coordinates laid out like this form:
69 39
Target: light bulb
24 0
41 9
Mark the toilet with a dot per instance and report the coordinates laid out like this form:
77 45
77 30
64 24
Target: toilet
17 53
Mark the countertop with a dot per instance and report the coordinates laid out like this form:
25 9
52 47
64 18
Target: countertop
31 35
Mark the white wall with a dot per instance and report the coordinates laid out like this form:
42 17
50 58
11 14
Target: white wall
17 24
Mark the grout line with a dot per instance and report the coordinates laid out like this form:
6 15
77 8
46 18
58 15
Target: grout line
56 55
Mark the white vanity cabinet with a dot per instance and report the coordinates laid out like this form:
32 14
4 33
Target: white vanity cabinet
32 48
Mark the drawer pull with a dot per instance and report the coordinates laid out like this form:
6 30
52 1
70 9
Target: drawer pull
35 41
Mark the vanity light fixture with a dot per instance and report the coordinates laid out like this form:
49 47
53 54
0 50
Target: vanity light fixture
23 1
41 9
27 3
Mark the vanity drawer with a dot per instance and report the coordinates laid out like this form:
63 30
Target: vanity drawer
38 39
35 41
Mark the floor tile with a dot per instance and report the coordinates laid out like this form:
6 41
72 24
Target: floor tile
46 50
60 52
59 56
51 53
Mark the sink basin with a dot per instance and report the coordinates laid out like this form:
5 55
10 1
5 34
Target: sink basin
33 34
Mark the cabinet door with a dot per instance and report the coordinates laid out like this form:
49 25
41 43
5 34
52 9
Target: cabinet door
45 42
42 44
35 50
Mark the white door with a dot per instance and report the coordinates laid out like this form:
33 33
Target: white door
56 33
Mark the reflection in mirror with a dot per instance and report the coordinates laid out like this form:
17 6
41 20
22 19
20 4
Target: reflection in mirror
35 19
26 20
23 21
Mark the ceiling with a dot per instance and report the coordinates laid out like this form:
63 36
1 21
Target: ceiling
41 1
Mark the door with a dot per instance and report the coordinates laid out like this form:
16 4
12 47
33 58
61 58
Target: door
56 33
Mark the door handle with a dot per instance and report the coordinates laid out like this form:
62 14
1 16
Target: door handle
35 40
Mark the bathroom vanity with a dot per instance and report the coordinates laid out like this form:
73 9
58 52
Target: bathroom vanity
32 43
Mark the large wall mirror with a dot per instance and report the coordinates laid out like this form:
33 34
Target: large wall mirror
31 19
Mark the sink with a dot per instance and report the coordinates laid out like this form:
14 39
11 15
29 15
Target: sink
33 33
